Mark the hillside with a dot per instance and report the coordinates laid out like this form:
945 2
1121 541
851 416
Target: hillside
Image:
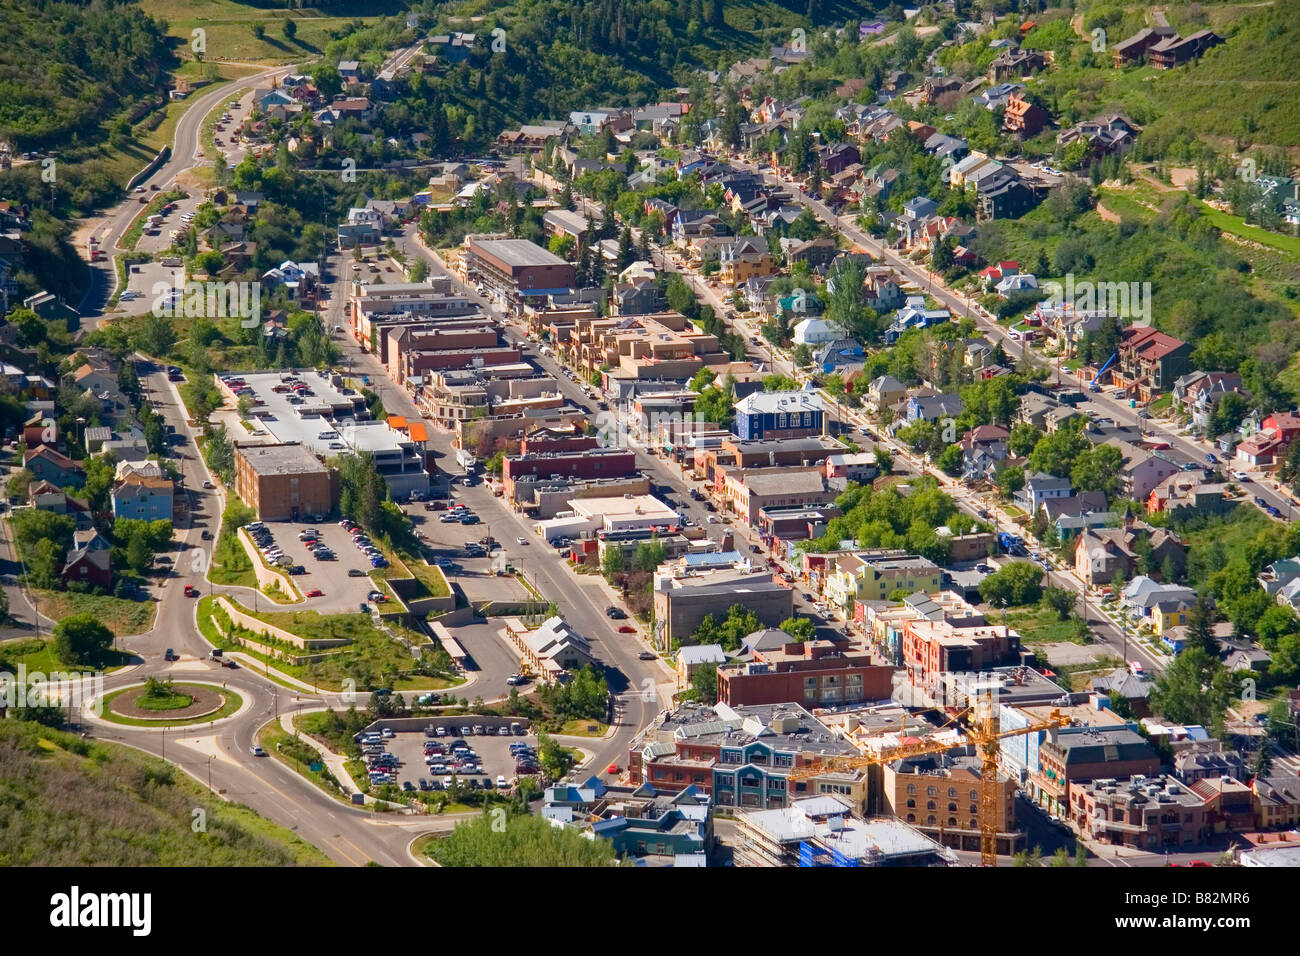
69 802
67 69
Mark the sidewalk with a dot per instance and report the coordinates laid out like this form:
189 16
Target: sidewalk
336 762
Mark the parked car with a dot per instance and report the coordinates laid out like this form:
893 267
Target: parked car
626 629
646 656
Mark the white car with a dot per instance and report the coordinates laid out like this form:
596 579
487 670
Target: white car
522 540
501 781
1241 476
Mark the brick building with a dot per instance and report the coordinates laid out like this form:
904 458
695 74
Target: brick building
589 463
813 674
284 482
939 794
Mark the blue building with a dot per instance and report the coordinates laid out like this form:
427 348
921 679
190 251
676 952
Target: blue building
779 415
680 826
143 497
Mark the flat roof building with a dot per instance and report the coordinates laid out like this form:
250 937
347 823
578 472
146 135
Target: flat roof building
284 482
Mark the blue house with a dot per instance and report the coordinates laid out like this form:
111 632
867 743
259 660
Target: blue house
839 353
779 415
931 408
914 315
677 826
46 464
145 497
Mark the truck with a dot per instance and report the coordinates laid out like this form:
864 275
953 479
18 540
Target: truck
1011 543
466 460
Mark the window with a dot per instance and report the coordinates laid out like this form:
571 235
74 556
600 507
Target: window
911 788
974 795
952 791
930 819
952 821
929 804
930 791
952 808
911 804
974 808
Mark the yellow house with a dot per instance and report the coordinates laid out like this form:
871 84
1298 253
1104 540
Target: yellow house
1167 615
874 575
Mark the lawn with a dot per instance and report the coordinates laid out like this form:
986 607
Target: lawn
584 728
299 756
122 616
231 564
37 656
372 660
1042 626
1237 226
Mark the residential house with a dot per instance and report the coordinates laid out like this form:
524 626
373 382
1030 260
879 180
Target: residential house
933 408
1101 553
58 469
1176 50
89 561
1024 118
1039 488
142 497
984 448
1149 361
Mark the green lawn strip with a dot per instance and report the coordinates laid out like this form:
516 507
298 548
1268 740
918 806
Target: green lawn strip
122 616
300 757
580 727
38 656
1235 225
170 702
232 704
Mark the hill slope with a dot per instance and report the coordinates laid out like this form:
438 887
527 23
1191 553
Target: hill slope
69 802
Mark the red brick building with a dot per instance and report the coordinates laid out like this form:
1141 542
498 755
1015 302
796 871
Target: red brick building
812 674
588 463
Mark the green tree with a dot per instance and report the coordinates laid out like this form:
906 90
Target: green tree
1097 469
555 761
138 554
705 683
1059 600
1015 583
799 628
82 639
612 562
290 29
1056 452
1194 689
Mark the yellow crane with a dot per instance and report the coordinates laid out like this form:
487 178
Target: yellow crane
983 730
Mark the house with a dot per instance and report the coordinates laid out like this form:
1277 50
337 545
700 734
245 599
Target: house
691 657
914 315
58 469
1149 361
779 415
932 408
550 649
1123 684
984 448
744 259
1100 553
1197 393
815 330
1040 487
1175 50
1024 118
1133 49
1014 63
1004 195
1187 492
885 391
1111 133
142 497
1141 471
89 561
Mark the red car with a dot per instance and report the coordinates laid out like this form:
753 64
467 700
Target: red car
191 591
627 629
315 592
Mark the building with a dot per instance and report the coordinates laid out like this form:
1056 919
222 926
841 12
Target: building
779 415
932 647
875 575
1176 50
1277 801
676 829
821 831
284 482
1039 488
549 650
939 794
683 598
1069 758
748 492
1145 813
514 270
142 497
740 755
691 657
58 469
1150 362
89 561
814 673
841 469
1101 552
588 464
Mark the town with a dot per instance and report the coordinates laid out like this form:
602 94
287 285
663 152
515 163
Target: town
846 458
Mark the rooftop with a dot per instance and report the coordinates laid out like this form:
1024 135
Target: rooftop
517 252
281 459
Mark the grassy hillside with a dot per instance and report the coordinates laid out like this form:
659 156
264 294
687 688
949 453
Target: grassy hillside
66 69
69 802
1240 94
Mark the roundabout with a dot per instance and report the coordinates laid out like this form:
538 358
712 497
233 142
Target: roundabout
168 705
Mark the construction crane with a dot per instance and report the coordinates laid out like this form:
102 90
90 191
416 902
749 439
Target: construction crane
1092 386
984 732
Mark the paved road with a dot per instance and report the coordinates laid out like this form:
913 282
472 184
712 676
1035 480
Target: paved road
186 149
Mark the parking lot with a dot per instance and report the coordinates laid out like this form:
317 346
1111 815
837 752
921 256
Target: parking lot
490 757
470 568
142 278
341 592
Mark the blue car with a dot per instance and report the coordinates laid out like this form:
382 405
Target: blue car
378 562
470 519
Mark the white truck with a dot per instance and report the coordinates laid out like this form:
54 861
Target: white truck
466 460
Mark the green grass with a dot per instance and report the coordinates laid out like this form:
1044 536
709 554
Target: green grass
38 656
584 728
298 756
372 659
65 801
231 564
1041 626
122 616
232 704
169 702
1290 245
